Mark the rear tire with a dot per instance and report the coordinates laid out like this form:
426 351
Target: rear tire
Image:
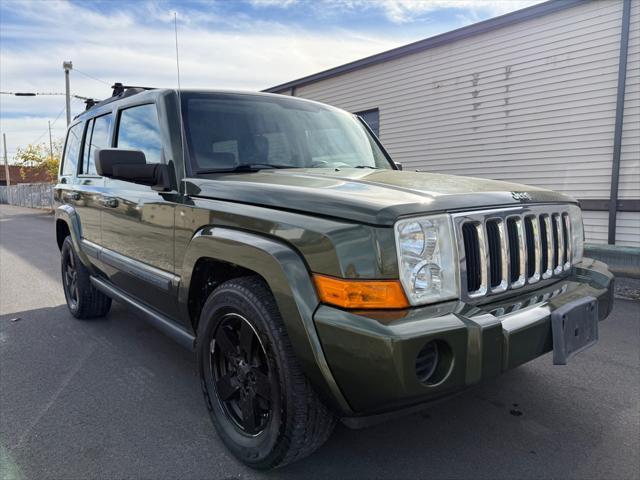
245 357
83 299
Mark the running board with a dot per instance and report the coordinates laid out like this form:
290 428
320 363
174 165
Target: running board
162 323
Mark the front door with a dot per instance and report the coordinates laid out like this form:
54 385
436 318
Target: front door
137 221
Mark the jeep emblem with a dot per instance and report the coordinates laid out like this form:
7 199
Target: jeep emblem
522 196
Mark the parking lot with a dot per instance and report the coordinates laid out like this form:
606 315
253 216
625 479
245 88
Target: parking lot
114 398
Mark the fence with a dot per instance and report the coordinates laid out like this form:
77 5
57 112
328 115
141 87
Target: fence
33 195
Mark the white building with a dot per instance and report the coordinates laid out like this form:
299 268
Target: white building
548 96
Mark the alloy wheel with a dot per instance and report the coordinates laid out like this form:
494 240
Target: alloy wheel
70 277
241 374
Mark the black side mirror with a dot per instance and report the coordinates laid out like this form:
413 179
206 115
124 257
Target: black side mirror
398 165
131 166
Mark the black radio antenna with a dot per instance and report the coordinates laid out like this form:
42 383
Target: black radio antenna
182 142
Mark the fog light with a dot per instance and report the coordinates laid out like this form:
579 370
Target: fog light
427 362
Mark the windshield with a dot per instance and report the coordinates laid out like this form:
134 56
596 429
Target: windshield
230 131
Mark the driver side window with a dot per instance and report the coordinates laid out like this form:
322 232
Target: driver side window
138 129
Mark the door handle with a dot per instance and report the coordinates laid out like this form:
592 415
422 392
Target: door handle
72 196
109 202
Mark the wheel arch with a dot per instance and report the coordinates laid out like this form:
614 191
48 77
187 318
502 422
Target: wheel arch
68 224
286 274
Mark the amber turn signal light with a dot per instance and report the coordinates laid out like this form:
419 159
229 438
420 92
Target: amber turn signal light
363 294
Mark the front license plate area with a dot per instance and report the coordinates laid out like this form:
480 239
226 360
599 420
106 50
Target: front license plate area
574 327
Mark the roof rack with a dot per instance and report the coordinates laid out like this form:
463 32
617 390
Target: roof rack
90 102
119 91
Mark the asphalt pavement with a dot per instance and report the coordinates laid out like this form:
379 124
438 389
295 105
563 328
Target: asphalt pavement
114 398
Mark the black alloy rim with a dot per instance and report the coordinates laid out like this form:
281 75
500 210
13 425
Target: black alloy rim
70 274
241 374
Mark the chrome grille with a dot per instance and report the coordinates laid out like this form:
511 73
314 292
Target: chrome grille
507 249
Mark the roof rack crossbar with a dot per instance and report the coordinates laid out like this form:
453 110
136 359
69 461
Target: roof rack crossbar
119 88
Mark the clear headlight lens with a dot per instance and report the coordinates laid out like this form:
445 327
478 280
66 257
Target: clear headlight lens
427 259
577 234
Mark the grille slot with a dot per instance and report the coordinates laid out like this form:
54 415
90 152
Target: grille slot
495 253
531 249
544 240
566 228
514 250
505 250
556 241
472 254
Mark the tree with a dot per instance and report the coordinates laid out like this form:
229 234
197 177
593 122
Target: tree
39 157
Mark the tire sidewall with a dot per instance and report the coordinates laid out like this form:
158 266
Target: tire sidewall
67 250
254 450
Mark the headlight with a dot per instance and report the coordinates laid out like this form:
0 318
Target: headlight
427 260
577 234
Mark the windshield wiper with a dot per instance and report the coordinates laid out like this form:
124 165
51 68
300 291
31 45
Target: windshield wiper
366 166
246 167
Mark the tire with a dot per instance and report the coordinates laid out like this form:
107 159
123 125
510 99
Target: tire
83 299
289 420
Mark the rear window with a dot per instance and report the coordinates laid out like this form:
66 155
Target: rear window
71 150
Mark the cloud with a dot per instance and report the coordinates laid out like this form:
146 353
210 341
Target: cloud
126 48
222 46
403 11
273 3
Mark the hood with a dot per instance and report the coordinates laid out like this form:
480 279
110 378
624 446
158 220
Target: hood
374 197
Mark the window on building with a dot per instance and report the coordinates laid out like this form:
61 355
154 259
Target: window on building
72 150
138 129
97 136
371 118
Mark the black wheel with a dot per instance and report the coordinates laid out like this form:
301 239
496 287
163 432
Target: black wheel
83 299
263 407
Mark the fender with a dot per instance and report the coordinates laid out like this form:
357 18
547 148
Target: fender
286 274
69 215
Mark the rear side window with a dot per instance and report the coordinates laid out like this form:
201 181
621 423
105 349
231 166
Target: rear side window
97 136
138 129
71 150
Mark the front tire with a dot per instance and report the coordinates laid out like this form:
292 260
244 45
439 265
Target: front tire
262 405
83 299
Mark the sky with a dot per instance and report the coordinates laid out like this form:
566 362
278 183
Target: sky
226 44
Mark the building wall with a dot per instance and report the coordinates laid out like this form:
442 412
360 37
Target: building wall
532 102
628 224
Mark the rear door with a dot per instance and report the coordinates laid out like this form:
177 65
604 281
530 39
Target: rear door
97 134
137 221
68 190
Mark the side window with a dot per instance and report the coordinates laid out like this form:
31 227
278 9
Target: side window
371 118
72 149
87 146
138 129
97 136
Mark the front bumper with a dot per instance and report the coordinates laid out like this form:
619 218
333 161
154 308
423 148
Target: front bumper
372 355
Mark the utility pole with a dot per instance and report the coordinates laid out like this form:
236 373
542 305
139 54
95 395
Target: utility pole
6 162
50 143
67 67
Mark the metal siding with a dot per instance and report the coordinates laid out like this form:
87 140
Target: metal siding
595 226
532 103
628 229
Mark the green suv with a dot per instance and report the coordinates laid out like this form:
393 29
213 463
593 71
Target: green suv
314 279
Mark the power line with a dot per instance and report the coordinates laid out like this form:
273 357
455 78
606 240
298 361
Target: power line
38 94
91 76
30 94
52 124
